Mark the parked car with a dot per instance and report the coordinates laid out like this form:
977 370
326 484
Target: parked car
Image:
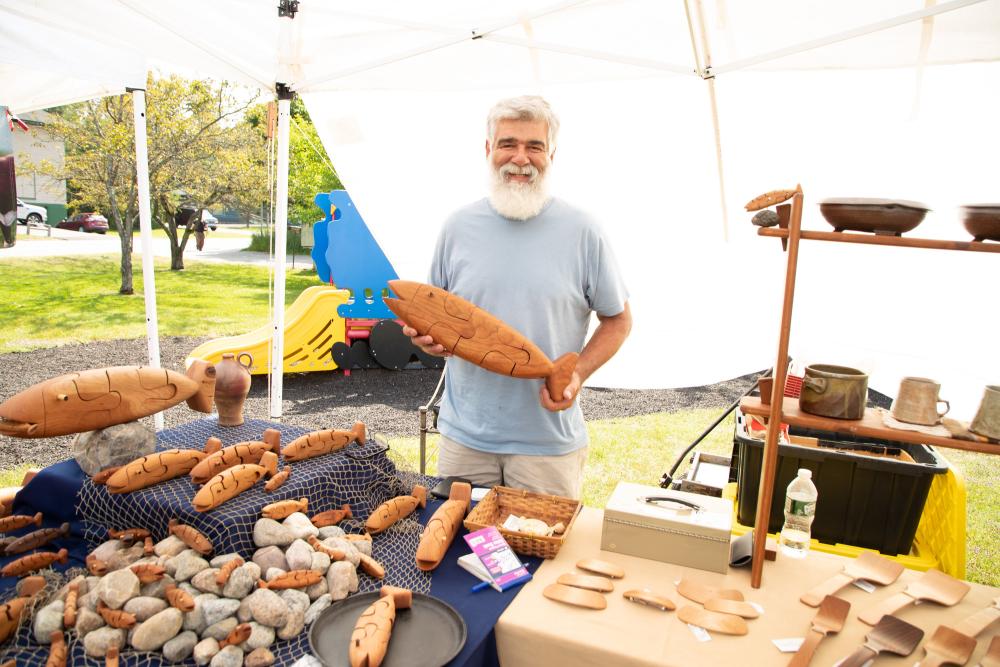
210 220
29 213
86 222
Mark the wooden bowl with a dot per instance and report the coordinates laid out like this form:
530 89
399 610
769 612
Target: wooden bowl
982 221
881 216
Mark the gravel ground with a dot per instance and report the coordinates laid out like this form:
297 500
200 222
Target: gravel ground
387 401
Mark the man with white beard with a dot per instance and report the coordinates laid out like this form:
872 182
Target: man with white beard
543 267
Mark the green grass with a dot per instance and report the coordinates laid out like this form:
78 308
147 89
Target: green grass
641 449
60 300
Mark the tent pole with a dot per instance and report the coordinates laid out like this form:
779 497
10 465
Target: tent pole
146 234
280 234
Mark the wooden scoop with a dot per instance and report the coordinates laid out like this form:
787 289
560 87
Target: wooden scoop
932 585
701 593
890 635
981 620
829 619
992 657
727 624
868 566
947 647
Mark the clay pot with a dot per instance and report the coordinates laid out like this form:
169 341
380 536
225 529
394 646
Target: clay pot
834 391
232 384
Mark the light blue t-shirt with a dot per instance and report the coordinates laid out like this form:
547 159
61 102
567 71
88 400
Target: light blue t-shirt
542 276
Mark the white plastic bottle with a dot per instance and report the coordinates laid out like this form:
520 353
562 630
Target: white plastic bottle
800 510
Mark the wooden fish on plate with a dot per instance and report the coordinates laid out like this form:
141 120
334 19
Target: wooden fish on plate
318 443
97 398
373 629
475 335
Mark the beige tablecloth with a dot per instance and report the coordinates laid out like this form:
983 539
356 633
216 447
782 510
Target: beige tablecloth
538 631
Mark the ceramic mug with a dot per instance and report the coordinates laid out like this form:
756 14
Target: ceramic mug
987 419
917 402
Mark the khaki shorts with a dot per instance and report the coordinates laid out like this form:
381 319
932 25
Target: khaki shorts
554 475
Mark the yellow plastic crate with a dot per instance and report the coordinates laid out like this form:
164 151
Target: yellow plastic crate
940 539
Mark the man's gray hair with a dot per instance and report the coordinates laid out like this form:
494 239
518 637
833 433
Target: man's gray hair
525 107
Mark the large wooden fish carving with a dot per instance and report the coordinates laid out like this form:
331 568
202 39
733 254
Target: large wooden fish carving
475 335
101 397
373 629
443 526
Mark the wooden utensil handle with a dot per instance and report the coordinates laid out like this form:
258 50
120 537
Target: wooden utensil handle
862 655
978 622
805 653
934 660
814 596
888 606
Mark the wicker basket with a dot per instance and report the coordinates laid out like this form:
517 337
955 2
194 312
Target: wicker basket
502 501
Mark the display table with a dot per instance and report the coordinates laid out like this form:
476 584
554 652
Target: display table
537 631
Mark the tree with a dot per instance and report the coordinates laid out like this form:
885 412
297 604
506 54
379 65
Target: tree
201 152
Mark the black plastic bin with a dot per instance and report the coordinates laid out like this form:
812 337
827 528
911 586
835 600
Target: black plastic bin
863 501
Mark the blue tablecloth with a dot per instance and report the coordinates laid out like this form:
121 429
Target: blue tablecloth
56 492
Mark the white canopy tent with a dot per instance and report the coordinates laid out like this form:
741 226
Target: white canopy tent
891 99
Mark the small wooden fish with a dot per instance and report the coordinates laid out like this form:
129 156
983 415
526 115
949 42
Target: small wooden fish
318 443
128 534
372 567
69 611
395 509
111 657
333 553
179 599
116 618
12 612
332 517
229 483
284 508
95 566
147 545
153 469
293 579
227 457
191 537
212 445
771 198
32 562
275 482
57 650
240 634
9 523
222 576
35 539
148 572
373 629
6 542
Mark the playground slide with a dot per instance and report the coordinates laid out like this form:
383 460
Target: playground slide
312 326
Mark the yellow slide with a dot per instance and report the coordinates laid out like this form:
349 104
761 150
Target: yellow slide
312 326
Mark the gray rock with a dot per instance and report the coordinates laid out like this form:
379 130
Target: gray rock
106 550
259 657
268 532
269 557
268 608
319 562
221 560
170 546
80 581
205 650
117 588
317 607
188 588
273 573
187 564
299 555
88 600
243 614
87 620
318 589
158 630
231 656
221 629
216 610
361 546
242 581
145 607
351 552
299 525
295 599
47 620
195 620
180 647
205 581
261 636
97 642
125 557
92 582
330 531
296 622
155 589
112 446
338 578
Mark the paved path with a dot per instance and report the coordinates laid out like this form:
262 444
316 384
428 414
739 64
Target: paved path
227 246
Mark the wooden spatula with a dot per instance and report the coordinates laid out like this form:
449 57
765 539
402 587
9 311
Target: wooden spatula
933 585
947 647
701 593
601 567
577 597
647 597
829 620
890 635
868 566
734 607
591 582
992 657
727 624
981 620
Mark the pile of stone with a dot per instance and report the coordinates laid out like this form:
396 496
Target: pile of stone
218 609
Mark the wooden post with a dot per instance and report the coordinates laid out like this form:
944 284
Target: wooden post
765 491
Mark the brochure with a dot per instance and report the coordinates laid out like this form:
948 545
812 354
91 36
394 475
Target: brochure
497 557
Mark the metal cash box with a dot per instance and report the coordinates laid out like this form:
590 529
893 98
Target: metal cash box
669 526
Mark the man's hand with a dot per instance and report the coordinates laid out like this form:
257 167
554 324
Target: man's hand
425 343
569 395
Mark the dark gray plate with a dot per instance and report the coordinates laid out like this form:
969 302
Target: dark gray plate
428 634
